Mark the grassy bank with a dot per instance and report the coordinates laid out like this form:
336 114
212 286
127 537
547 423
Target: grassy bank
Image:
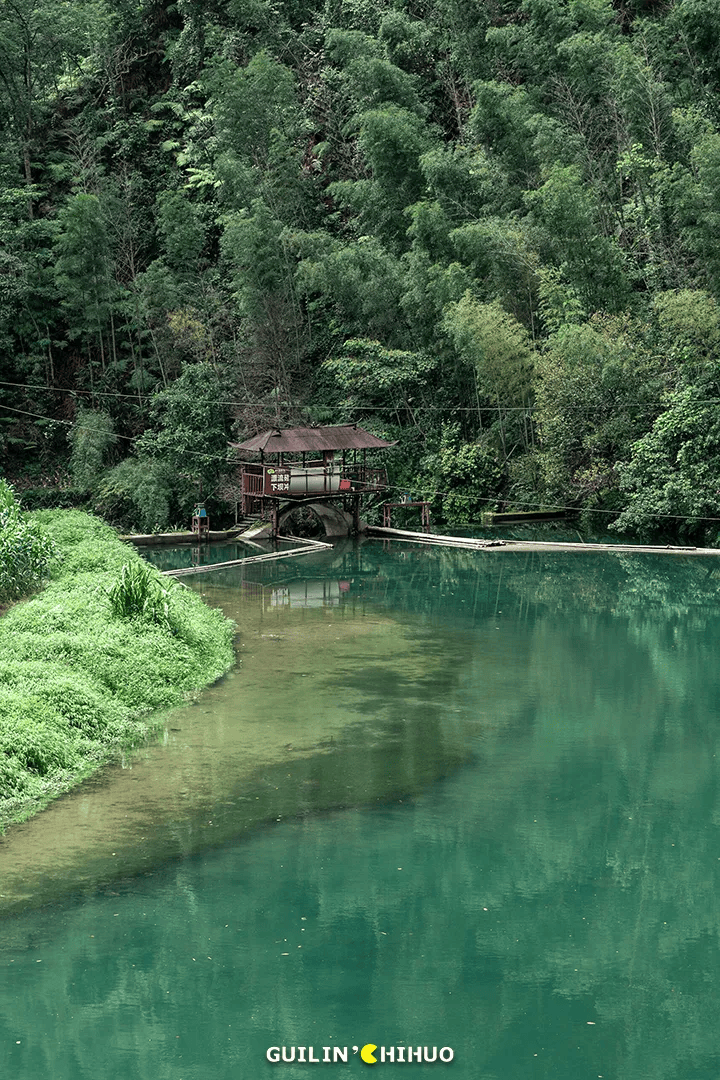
85 670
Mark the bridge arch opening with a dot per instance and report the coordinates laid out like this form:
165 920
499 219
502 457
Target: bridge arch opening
332 520
302 521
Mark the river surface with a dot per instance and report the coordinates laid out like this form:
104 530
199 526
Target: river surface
451 799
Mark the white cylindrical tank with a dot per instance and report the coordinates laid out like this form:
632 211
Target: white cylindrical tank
315 480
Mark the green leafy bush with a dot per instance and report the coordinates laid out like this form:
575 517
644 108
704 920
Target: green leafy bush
37 747
25 550
139 594
467 475
138 493
673 471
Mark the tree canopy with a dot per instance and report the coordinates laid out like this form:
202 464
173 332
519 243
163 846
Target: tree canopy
489 230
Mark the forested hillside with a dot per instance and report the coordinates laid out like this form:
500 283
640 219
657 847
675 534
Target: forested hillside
486 229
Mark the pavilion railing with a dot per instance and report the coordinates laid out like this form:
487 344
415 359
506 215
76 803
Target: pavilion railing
293 481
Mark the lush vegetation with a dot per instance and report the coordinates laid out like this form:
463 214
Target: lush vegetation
85 662
25 549
484 230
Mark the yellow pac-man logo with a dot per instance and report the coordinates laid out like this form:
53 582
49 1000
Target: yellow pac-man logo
367 1053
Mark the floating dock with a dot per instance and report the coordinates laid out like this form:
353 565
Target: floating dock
531 545
141 539
525 517
269 556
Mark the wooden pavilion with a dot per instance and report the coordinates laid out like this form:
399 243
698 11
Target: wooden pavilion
310 465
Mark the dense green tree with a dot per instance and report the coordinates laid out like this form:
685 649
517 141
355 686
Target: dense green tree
189 428
257 117
670 472
357 285
17 272
522 192
672 476
91 436
392 140
565 207
183 233
257 254
499 350
43 45
84 277
139 493
464 478
598 389
371 377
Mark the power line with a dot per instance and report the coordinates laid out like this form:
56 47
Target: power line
543 505
356 408
67 423
66 390
97 431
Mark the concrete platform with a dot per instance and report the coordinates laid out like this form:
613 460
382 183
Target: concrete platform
182 537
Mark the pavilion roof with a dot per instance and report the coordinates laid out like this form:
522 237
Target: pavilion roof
313 439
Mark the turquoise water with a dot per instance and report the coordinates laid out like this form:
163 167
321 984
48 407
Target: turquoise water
175 556
466 800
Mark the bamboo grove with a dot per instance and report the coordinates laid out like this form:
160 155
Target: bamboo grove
482 228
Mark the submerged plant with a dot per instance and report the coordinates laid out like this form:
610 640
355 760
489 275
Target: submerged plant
138 593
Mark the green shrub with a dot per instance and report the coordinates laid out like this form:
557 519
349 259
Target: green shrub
25 550
7 497
36 746
468 475
138 593
138 493
13 777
